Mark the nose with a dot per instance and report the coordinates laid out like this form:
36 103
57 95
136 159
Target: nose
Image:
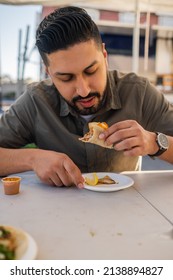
82 87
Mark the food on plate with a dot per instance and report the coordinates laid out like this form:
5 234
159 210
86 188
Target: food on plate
106 180
95 180
13 243
92 181
95 128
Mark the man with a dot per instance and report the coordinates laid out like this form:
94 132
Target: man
55 113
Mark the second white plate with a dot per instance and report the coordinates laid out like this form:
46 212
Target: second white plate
31 251
122 182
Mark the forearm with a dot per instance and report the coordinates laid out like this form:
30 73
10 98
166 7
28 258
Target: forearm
51 167
16 160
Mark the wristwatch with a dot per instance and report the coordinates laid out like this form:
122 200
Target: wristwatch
162 142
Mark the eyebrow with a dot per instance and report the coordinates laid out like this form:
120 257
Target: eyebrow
63 74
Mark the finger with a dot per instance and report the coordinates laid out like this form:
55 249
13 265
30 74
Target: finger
48 181
119 126
122 135
74 173
135 151
127 144
64 177
56 180
131 147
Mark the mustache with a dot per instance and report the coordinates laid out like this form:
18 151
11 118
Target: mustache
92 94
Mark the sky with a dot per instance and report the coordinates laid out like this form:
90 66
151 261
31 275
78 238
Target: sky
12 19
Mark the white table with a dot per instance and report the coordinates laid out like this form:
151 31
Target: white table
68 223
169 97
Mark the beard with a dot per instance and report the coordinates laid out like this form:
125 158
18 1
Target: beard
100 98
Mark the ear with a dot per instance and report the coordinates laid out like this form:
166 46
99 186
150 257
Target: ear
104 50
105 54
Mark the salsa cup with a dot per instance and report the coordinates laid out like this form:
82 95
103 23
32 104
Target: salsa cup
11 185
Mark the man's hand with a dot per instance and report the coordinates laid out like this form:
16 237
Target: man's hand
56 169
130 137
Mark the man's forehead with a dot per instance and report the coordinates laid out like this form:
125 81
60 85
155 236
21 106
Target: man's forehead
68 70
74 59
77 49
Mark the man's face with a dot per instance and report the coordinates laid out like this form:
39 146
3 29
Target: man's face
80 75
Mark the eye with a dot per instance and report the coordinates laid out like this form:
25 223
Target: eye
65 78
91 71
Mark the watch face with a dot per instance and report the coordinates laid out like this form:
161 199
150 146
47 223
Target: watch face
163 141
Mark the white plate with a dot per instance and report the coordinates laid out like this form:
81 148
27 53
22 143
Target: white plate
123 182
31 251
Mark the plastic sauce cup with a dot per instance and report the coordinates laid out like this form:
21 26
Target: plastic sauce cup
11 185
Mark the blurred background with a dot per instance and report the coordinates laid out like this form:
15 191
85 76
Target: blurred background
138 35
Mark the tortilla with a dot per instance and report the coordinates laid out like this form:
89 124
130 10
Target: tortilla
95 128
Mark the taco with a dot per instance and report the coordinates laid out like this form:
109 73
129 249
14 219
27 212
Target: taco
95 128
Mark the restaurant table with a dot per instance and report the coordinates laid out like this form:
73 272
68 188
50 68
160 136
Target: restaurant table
70 223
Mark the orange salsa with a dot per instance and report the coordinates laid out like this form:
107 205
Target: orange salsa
11 179
103 125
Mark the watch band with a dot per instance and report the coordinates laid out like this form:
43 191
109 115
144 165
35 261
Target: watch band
158 153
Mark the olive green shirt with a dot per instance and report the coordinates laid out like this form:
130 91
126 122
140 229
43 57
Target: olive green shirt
42 116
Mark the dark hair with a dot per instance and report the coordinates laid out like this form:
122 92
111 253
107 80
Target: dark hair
63 28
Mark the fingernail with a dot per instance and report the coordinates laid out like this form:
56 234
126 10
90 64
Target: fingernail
80 186
101 135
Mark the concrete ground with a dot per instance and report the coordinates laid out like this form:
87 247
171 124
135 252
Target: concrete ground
156 164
